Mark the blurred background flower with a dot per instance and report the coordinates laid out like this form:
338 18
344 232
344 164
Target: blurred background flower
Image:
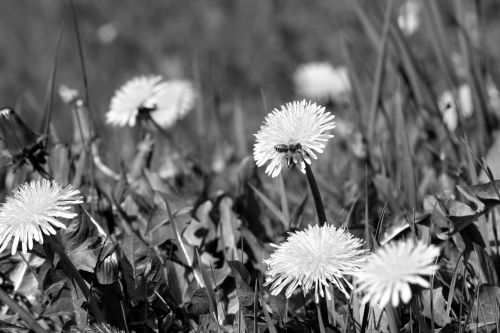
388 273
320 81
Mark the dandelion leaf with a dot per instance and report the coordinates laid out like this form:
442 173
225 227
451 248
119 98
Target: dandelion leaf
242 278
438 310
486 309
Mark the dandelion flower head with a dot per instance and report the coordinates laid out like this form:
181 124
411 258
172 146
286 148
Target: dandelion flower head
130 98
291 135
321 81
173 102
164 101
34 208
388 273
314 258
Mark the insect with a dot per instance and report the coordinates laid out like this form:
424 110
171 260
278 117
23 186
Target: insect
289 150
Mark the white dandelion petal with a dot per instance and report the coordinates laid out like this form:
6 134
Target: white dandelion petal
172 102
321 81
130 98
35 208
391 270
292 134
165 101
314 258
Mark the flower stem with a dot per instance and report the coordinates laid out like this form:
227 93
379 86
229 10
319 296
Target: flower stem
28 319
72 272
392 319
320 209
320 319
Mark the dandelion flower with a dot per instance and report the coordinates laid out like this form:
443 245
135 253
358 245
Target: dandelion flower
131 98
164 101
312 259
321 81
35 208
173 101
409 17
388 273
292 135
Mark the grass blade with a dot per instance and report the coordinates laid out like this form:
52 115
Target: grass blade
50 93
379 71
270 205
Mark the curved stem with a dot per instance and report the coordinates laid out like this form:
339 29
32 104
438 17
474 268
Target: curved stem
28 319
320 208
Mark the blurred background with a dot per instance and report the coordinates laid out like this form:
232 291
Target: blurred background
240 54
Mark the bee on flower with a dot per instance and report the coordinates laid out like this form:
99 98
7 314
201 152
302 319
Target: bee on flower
290 136
151 98
35 208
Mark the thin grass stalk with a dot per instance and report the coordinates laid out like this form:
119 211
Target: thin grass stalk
28 319
415 305
360 104
368 238
366 318
73 273
379 71
50 92
319 310
178 236
392 319
255 302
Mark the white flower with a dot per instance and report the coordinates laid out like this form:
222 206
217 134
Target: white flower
295 132
67 94
448 107
388 273
164 101
35 208
321 81
314 258
409 17
173 101
130 98
107 33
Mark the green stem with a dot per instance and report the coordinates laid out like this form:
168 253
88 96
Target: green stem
392 319
320 319
32 323
320 208
72 272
